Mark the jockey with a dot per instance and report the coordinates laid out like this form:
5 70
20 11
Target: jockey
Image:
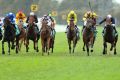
35 17
85 17
49 23
11 17
20 16
112 19
72 15
53 22
32 14
88 15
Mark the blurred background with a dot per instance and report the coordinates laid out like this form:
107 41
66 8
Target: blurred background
60 8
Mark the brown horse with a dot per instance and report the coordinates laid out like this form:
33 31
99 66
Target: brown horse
72 35
45 36
32 34
110 37
21 37
88 36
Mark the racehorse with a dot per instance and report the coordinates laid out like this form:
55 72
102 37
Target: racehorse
22 36
9 35
109 37
45 36
32 34
72 35
88 36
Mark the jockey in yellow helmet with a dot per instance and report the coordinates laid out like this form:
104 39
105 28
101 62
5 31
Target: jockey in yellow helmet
88 15
72 15
20 16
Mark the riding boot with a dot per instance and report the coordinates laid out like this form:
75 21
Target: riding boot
103 32
78 37
83 28
53 30
67 29
116 33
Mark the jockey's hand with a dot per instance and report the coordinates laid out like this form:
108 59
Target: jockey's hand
97 25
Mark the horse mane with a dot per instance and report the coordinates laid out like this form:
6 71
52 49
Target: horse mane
109 30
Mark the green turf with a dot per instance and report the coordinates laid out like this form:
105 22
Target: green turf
61 65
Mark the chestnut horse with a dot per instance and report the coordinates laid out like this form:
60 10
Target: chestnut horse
88 36
22 36
45 37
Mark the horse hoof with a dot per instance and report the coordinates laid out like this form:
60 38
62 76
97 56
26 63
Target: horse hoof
103 53
37 51
110 49
83 50
115 53
91 50
3 52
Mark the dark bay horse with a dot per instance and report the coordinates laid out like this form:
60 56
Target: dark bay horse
21 37
72 35
9 35
32 34
45 36
109 37
88 36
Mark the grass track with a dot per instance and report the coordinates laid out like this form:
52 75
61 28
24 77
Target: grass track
61 65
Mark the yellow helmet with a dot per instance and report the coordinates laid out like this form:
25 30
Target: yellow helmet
72 12
94 14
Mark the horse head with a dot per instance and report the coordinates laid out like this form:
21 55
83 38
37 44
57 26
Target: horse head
89 23
72 25
44 25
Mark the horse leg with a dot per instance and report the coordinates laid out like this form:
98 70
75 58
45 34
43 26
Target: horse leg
74 45
27 43
115 49
48 46
52 45
9 47
92 42
36 44
43 49
13 46
84 47
87 47
111 47
3 52
20 45
105 48
17 44
69 43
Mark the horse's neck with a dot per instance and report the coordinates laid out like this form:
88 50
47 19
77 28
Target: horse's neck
109 30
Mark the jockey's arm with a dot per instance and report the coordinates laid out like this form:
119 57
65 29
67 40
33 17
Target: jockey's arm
36 19
27 19
102 21
113 21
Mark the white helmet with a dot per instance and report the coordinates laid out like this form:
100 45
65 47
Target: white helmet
109 16
32 13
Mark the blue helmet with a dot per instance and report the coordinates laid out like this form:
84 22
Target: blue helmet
11 16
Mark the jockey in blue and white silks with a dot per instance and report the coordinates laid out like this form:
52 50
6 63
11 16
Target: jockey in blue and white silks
11 17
